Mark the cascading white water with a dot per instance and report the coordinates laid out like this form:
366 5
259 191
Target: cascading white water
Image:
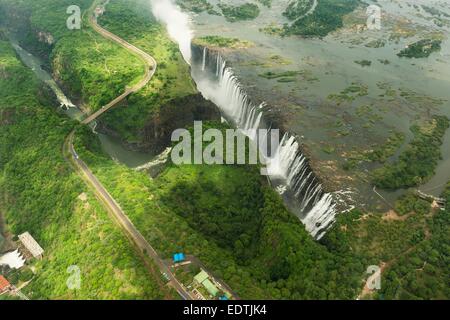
204 59
228 95
290 165
287 163
32 63
61 97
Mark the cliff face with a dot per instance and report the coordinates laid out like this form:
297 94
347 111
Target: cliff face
178 113
59 60
17 20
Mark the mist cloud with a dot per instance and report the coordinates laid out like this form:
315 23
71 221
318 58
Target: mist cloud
177 24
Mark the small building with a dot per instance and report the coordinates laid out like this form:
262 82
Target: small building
202 276
4 285
178 257
31 245
212 289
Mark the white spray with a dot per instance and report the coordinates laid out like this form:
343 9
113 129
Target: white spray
177 24
288 163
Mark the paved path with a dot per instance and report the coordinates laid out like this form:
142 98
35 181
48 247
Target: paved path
122 219
150 68
108 201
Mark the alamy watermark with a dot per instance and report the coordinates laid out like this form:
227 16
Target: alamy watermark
73 22
374 280
230 146
373 17
73 282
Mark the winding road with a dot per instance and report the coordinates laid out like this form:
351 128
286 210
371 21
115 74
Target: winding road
119 215
150 68
91 180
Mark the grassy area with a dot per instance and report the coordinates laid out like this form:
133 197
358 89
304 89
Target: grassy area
201 210
223 42
171 81
92 69
246 11
379 153
197 6
418 161
364 63
229 218
421 272
40 193
421 49
327 17
388 149
277 75
350 93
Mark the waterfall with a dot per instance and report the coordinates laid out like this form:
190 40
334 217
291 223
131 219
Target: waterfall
64 102
228 95
218 83
204 59
34 64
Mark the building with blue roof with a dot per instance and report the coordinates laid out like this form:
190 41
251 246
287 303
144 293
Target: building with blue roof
178 257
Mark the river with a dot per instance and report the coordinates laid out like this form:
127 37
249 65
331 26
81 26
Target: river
110 145
329 66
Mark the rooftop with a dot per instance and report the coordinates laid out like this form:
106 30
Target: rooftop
4 284
31 244
212 289
202 276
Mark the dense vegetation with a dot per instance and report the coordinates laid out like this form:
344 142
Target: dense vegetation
422 272
232 225
412 250
258 247
418 161
297 9
387 149
380 153
171 81
91 68
231 219
225 215
327 17
197 6
409 202
421 49
222 42
40 193
247 11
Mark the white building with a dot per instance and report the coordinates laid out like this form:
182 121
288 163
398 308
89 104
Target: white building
31 245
